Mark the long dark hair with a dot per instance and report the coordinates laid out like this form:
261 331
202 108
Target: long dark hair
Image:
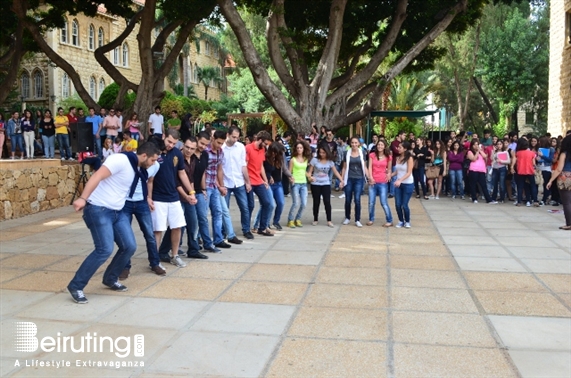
566 147
274 155
325 148
522 144
386 151
306 149
406 154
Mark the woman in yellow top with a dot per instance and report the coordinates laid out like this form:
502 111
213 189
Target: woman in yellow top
62 134
298 169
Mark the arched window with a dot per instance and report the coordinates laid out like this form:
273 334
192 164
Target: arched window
195 73
75 33
100 37
25 90
116 56
92 88
125 55
63 33
91 38
65 86
207 48
38 84
101 85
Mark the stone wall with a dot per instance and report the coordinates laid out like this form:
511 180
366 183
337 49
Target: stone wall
31 190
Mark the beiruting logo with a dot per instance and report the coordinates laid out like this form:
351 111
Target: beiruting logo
26 341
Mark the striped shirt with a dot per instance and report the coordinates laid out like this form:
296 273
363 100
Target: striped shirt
214 160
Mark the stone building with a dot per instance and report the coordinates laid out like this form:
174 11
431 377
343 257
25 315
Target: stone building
559 112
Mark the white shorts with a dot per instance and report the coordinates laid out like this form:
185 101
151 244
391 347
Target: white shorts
167 214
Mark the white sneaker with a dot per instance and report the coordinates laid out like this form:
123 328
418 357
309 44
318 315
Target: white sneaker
475 201
493 203
332 196
358 224
406 224
177 261
436 197
71 159
62 158
342 195
528 204
346 221
399 225
463 197
453 197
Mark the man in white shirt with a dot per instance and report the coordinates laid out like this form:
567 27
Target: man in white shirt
157 123
102 201
236 177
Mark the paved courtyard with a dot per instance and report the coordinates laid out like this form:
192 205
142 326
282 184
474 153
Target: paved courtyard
469 291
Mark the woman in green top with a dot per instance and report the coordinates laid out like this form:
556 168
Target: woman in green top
298 169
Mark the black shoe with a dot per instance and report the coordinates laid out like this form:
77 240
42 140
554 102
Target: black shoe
77 296
277 226
212 250
223 244
391 196
265 233
165 258
117 287
124 274
248 235
196 255
235 240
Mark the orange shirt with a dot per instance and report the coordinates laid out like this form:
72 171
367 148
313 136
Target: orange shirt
525 162
255 158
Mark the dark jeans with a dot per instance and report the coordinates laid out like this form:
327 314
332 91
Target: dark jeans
64 148
476 178
316 192
279 198
546 192
107 226
353 189
419 178
242 201
141 211
527 183
93 161
499 181
402 198
285 186
566 201
265 203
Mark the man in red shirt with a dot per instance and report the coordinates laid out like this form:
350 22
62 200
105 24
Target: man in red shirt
255 156
401 137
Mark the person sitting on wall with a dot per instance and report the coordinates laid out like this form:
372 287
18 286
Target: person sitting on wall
89 158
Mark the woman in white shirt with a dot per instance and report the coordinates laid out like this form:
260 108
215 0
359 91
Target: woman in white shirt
404 185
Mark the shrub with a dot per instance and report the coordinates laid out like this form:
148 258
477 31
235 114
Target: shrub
109 94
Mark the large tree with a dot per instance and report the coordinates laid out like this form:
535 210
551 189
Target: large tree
326 52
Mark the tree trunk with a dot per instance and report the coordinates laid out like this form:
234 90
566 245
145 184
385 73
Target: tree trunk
185 76
486 100
17 51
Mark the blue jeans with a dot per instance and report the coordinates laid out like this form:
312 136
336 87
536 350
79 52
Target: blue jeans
499 180
202 215
17 140
227 227
299 198
526 183
353 188
191 232
270 210
337 182
265 203
216 214
392 183
104 223
64 149
49 146
457 182
141 211
242 201
402 197
97 144
279 198
380 190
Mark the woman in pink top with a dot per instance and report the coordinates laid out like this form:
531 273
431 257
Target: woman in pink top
379 166
477 171
134 125
525 178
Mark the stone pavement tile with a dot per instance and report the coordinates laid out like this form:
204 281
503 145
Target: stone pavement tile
362 260
441 329
521 303
548 266
352 276
467 240
511 225
45 281
209 269
445 224
503 282
242 256
293 258
136 284
405 236
187 288
15 300
453 362
328 358
283 273
541 333
62 307
535 363
340 323
523 241
71 264
265 292
426 279
4 255
566 298
425 249
75 371
422 262
540 253
8 274
325 295
478 251
441 300
77 250
492 264
13 235
350 247
158 313
30 262
215 354
468 231
245 318
7 367
559 283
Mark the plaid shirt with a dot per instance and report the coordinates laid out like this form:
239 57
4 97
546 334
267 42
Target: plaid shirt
214 160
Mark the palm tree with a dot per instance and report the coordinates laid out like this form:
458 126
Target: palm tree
409 92
209 75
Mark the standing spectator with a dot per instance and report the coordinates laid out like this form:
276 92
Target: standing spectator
439 160
255 156
525 178
48 129
133 126
456 159
477 171
62 134
545 154
395 151
156 123
499 170
29 131
403 184
2 133
174 122
487 140
185 127
96 126
103 132
119 115
373 144
236 179
111 124
102 201
554 190
380 166
320 178
354 174
14 130
563 176
421 154
80 115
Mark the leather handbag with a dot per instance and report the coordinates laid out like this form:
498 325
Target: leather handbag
432 172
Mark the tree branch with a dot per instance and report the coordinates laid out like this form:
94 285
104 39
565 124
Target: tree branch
340 80
164 34
276 56
18 52
172 56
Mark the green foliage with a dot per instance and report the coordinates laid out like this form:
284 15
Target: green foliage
410 92
207 75
394 126
197 107
172 102
73 100
109 94
226 105
179 91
